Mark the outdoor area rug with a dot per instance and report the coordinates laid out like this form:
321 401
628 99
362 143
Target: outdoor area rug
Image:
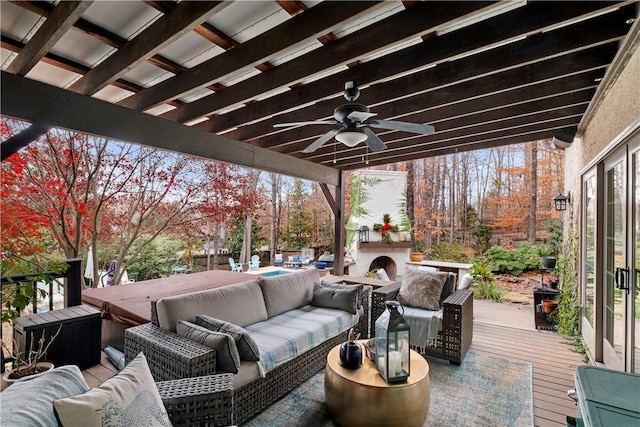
484 391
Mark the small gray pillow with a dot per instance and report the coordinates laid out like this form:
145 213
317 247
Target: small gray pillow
422 289
342 299
358 286
247 347
227 357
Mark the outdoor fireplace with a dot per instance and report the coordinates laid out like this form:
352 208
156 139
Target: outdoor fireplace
380 192
387 263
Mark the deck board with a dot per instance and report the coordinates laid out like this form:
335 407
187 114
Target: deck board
554 361
552 357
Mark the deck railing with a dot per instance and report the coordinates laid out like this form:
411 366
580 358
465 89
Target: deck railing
72 289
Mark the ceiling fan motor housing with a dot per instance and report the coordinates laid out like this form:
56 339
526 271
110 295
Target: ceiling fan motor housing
341 112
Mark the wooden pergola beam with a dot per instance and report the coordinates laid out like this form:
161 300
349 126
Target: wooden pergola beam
316 21
54 27
58 107
517 23
408 23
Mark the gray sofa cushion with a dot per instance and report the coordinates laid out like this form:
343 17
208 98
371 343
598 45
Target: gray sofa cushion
247 347
422 289
358 286
227 357
29 402
288 291
331 297
241 304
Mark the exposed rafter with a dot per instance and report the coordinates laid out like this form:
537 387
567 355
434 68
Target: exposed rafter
484 74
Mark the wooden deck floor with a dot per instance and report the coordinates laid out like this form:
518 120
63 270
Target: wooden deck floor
553 359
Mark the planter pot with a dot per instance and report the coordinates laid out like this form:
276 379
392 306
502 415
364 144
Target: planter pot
416 256
41 367
548 263
548 305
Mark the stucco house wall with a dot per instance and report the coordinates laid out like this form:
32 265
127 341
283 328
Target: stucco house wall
619 109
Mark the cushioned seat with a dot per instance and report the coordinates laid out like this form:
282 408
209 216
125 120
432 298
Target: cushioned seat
283 337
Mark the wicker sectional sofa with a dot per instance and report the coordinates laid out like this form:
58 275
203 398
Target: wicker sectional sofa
259 306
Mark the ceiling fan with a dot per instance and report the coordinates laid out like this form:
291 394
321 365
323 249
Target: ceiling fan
355 121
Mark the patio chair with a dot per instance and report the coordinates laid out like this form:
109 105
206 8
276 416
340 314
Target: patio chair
255 262
235 266
278 260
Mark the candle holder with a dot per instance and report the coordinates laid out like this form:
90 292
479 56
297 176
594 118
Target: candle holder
392 344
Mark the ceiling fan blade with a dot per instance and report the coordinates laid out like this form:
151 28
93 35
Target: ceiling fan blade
403 126
360 116
374 143
320 141
314 122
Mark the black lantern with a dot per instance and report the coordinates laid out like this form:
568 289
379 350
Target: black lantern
392 344
363 234
561 201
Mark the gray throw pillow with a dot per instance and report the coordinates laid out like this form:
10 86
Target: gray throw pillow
247 347
227 357
342 299
422 289
343 285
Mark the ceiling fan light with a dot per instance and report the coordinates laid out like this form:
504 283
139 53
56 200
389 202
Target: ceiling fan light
351 138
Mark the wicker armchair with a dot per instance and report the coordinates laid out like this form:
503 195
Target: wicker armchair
455 338
206 400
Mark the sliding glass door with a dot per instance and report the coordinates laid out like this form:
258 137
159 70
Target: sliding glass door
621 263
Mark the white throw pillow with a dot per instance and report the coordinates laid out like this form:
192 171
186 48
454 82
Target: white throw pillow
129 398
465 281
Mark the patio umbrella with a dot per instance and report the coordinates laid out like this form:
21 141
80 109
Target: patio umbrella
88 269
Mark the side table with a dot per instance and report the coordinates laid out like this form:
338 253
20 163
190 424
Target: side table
362 397
79 339
541 320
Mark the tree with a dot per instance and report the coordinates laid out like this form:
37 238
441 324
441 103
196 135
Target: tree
82 189
300 218
227 194
251 189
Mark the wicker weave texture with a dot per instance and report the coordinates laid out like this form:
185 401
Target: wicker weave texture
170 356
257 395
457 322
199 401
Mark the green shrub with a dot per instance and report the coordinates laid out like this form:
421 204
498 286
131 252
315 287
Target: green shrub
448 252
515 261
483 289
484 282
481 270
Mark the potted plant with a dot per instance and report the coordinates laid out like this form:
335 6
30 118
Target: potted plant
29 362
549 305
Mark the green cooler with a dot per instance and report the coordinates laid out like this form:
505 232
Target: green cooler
607 397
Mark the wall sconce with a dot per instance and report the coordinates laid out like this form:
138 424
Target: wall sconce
363 234
561 201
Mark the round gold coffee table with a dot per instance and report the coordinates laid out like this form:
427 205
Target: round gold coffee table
363 398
